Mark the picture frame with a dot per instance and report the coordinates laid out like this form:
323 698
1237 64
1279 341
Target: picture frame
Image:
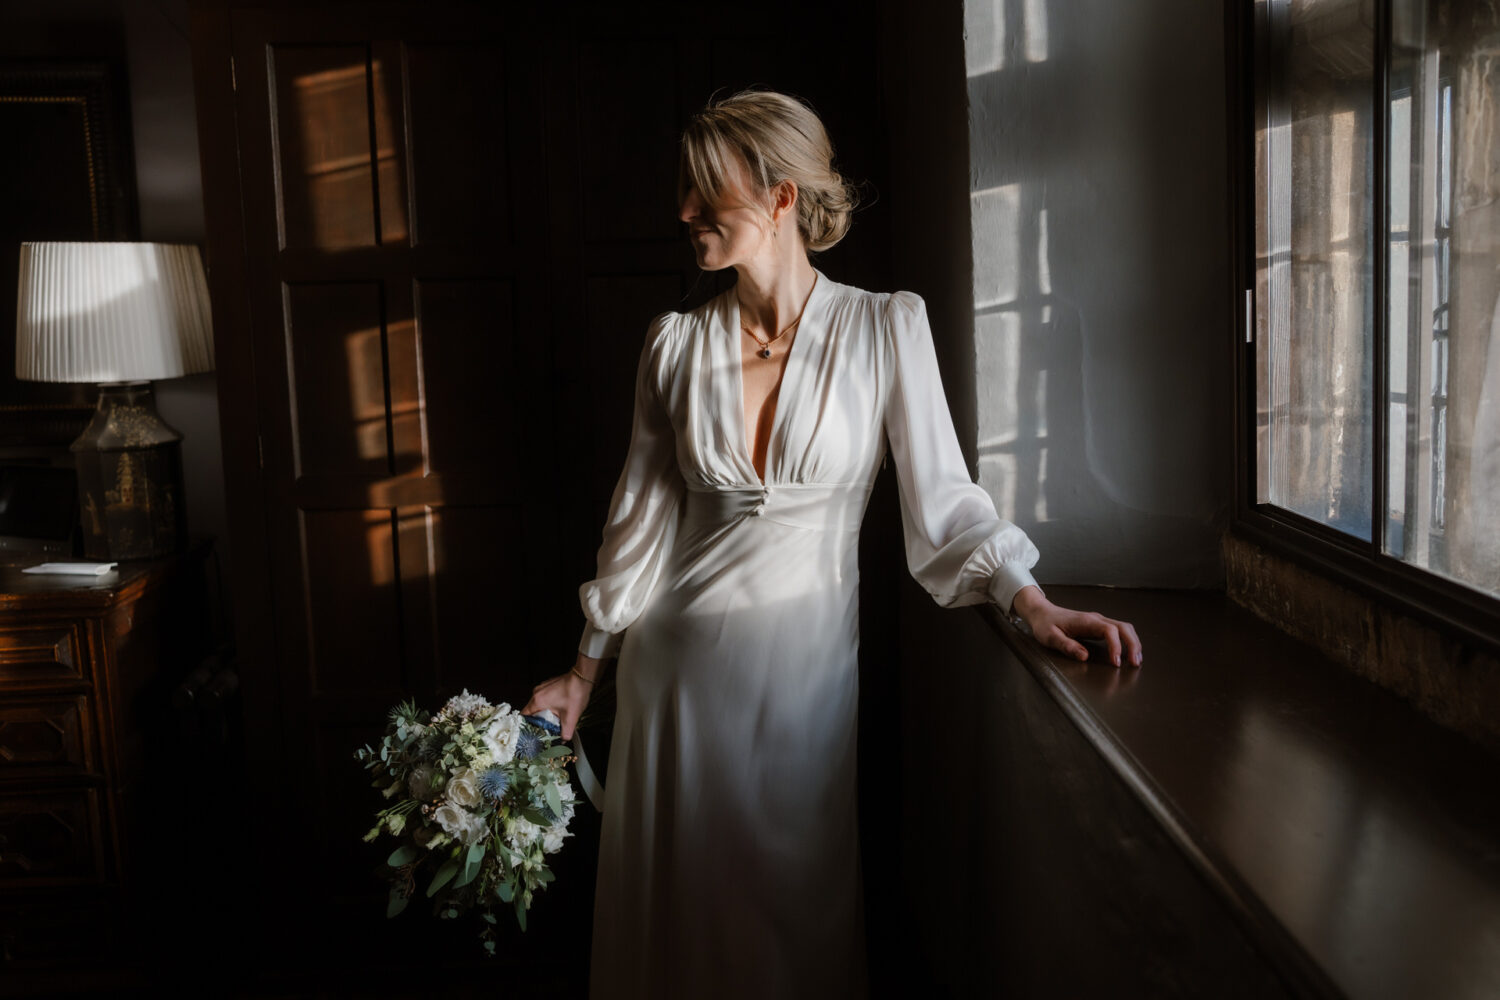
72 178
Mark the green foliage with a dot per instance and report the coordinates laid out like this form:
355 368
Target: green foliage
443 876
426 753
554 800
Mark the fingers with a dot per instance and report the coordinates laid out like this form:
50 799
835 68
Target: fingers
1110 633
1134 654
1121 643
563 694
1058 639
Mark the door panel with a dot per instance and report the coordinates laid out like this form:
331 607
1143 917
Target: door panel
469 355
322 114
337 346
460 138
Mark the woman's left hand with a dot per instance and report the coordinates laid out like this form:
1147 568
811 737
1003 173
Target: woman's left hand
1061 628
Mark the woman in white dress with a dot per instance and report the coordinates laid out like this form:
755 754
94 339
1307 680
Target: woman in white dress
728 582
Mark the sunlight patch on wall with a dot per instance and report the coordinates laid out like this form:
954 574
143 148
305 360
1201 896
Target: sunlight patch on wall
984 36
996 216
997 359
991 39
1043 263
1035 31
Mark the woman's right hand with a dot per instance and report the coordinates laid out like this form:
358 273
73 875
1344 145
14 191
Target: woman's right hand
566 694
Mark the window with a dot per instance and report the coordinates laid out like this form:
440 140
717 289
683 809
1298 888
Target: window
1372 357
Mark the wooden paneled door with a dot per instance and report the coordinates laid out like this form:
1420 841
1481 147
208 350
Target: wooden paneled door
436 236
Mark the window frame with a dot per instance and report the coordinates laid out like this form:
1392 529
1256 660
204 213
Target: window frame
1456 610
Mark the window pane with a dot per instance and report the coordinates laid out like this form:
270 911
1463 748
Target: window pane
1443 509
1314 193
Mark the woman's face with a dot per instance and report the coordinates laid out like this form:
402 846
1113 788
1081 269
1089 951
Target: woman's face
734 233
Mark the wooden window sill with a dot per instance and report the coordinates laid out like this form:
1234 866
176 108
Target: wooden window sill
1356 841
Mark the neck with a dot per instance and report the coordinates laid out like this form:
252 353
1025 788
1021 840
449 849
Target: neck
773 291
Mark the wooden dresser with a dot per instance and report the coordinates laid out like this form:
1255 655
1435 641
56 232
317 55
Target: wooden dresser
88 666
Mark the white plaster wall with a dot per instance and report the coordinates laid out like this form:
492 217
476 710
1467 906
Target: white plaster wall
1099 196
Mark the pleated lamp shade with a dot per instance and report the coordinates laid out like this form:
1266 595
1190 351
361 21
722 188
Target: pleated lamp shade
111 312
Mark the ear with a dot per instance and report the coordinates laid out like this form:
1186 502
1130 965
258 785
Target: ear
783 198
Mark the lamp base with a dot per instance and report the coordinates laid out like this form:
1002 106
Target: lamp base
130 478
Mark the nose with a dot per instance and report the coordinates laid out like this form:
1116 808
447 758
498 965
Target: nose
692 205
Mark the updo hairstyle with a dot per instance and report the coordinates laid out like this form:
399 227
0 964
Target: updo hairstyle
779 139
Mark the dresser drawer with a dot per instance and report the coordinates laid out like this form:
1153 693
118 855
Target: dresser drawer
50 838
43 737
58 932
40 655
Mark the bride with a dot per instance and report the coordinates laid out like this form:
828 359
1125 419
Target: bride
727 582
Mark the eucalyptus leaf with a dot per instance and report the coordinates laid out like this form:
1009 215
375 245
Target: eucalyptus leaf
554 800
521 914
396 904
402 856
476 851
471 869
559 750
505 891
443 877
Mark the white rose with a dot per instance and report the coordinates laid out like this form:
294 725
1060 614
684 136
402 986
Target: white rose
459 823
500 737
552 840
476 829
463 789
521 833
420 781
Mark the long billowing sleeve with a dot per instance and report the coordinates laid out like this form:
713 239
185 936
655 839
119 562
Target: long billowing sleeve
643 512
957 547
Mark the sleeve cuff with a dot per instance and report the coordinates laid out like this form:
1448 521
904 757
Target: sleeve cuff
599 644
1007 582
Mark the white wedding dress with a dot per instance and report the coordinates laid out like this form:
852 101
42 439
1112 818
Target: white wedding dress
729 862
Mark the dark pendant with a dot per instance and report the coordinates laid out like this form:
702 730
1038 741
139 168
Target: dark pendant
765 352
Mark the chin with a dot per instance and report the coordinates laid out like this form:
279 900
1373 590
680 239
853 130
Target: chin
710 261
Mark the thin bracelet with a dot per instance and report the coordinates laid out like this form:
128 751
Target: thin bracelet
586 680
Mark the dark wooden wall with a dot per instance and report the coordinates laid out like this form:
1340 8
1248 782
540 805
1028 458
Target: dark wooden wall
436 236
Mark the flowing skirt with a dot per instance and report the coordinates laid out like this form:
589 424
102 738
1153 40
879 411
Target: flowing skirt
729 863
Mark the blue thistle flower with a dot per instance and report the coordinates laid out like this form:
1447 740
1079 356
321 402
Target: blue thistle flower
528 744
493 782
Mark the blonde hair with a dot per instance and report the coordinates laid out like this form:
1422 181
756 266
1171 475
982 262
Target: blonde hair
778 138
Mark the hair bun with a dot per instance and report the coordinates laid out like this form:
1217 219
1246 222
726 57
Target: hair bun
779 138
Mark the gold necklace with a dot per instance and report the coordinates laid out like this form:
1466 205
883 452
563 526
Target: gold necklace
765 345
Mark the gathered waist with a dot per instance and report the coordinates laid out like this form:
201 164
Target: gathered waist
813 506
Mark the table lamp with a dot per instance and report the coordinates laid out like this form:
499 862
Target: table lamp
121 315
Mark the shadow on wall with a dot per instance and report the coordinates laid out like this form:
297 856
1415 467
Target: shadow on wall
1098 189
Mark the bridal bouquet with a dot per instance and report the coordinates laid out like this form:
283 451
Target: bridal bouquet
481 797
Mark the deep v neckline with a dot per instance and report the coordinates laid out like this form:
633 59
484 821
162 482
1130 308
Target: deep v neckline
773 449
